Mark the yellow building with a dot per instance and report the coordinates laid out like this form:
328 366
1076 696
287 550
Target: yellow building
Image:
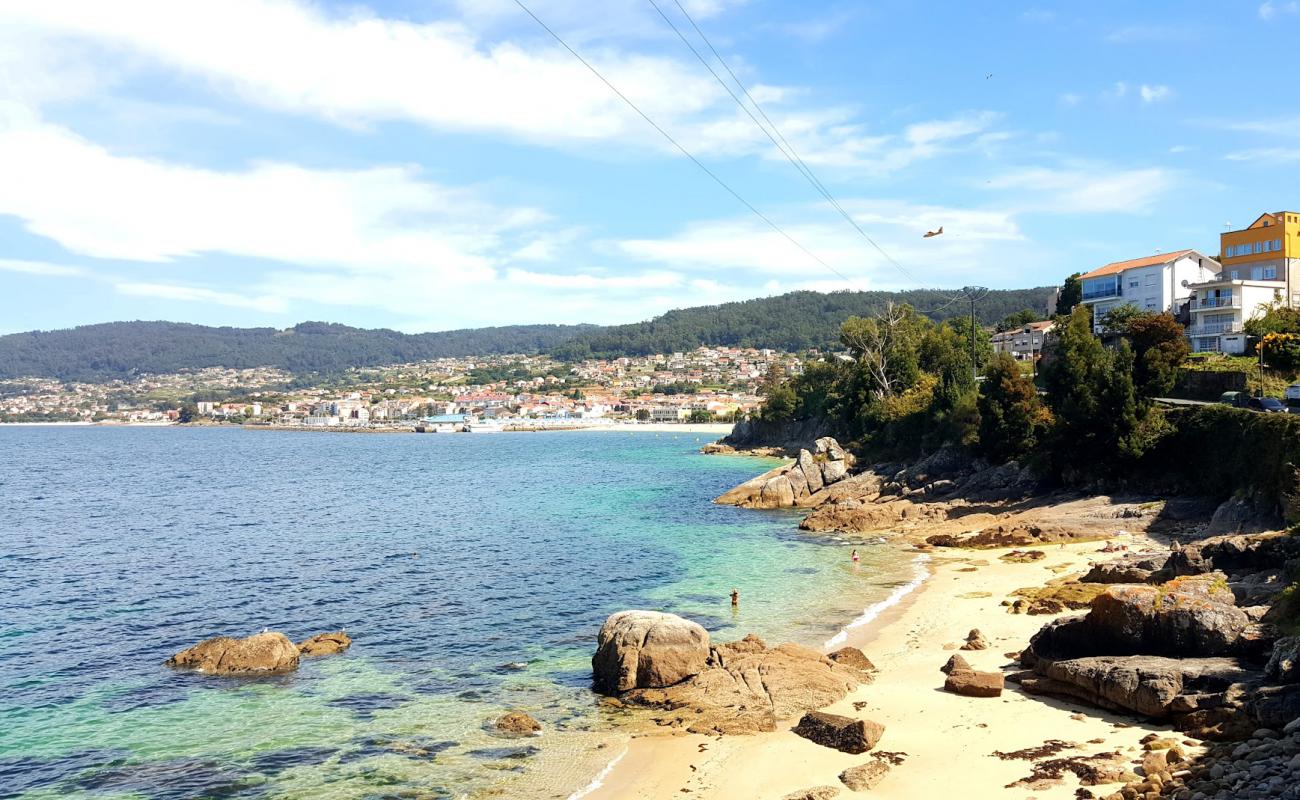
1267 250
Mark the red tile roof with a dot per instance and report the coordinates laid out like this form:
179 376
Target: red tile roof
1117 267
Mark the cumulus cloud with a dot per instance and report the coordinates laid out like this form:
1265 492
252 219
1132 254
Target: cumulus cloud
1086 189
1270 10
1155 94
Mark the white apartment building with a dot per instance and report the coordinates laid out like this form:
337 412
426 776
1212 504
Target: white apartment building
1153 283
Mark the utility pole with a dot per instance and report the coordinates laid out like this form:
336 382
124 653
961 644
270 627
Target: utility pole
973 293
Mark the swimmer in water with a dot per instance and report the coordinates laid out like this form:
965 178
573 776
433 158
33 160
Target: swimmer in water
735 598
854 555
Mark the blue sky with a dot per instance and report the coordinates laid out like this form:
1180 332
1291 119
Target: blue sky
433 165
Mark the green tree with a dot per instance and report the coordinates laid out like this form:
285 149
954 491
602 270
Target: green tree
1017 320
643 414
1071 295
1012 419
1159 349
700 415
188 413
780 404
1091 396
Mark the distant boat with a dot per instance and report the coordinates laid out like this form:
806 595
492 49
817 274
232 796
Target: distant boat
483 427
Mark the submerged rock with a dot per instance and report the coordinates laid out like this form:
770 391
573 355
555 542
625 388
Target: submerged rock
647 650
845 734
261 653
325 644
517 723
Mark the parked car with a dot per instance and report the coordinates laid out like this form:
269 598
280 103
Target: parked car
1234 399
1268 405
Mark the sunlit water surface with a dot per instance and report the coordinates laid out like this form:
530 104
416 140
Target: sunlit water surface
473 573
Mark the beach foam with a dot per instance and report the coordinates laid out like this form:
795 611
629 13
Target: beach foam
876 609
599 780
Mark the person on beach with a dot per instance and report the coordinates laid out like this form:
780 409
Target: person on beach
735 598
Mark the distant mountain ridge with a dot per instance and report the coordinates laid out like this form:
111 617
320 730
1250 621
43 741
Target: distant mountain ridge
795 321
94 353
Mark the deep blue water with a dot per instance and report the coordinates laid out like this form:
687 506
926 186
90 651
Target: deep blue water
446 557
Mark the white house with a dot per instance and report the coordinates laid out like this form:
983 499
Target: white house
1153 283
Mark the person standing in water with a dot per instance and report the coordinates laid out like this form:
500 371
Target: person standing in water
735 598
854 555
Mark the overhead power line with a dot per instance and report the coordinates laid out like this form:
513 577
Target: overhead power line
681 148
774 134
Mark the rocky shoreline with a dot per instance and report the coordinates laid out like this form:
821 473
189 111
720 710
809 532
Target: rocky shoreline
1173 623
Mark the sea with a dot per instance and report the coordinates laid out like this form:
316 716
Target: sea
472 572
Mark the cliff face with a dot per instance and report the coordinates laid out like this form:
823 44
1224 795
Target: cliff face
790 437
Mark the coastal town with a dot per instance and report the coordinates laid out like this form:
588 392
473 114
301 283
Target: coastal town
707 385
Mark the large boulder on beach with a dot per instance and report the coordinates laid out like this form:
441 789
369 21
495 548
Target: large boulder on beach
1185 617
647 650
1284 662
325 644
846 734
264 653
748 687
1154 686
973 683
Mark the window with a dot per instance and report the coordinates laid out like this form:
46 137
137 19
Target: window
1151 279
1151 305
1236 275
1257 247
1269 273
1133 284
1277 244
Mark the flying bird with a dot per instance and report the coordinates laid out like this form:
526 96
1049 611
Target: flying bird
928 234
990 75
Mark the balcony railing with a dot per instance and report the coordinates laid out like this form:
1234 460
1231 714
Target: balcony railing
1214 328
1225 301
1097 294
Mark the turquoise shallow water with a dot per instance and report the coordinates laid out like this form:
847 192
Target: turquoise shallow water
472 572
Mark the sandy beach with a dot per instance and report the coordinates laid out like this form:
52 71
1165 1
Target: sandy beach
946 742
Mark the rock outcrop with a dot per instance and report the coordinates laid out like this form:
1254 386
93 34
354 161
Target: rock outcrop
846 734
647 650
325 644
1020 534
264 653
810 476
517 723
1185 617
852 657
864 777
746 686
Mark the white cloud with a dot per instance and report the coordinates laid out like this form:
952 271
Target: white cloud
110 206
1087 189
1269 10
717 247
357 69
1148 34
1273 154
40 268
194 294
1070 99
1156 93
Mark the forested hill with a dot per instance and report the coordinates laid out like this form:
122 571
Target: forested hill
794 321
95 353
